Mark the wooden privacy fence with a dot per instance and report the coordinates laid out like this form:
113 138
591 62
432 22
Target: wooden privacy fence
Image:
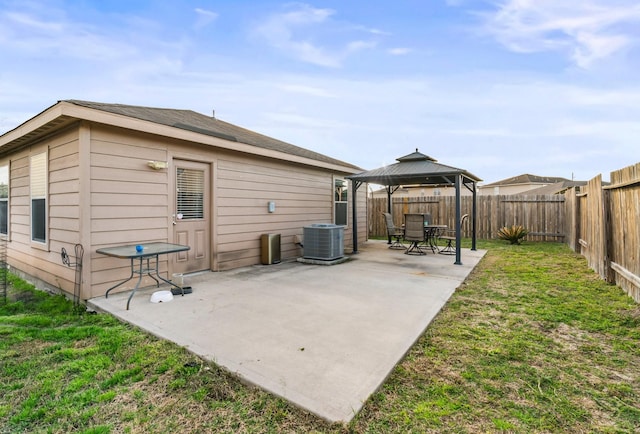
602 222
542 215
606 227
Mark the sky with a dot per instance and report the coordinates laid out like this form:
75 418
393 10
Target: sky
498 88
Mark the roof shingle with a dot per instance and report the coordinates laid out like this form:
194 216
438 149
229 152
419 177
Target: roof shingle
197 122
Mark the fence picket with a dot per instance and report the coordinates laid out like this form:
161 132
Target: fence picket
602 223
542 215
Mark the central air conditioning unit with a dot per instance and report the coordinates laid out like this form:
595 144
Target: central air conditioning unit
324 241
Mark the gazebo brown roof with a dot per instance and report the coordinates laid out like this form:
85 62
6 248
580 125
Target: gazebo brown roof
419 169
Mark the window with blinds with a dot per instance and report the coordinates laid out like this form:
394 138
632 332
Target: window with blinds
190 193
4 200
38 184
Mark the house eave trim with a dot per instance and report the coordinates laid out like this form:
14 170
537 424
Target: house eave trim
64 109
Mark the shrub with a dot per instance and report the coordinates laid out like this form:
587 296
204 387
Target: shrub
513 234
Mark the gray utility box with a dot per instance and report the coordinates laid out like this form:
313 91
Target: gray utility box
324 241
270 248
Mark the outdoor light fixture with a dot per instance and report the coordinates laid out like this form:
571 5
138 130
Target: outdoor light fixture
157 165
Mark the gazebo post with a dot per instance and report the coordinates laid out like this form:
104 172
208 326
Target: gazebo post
458 182
389 207
354 218
416 169
474 213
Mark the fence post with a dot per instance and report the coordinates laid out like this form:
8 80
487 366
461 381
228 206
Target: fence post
610 275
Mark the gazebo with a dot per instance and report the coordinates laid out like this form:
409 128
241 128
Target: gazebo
418 169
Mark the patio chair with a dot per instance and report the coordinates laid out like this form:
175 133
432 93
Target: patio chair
414 233
449 236
394 232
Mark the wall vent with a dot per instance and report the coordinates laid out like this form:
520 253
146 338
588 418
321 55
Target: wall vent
324 241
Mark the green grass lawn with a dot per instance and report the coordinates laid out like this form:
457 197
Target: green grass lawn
532 342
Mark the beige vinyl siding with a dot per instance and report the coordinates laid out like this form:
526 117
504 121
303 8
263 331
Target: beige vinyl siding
64 196
243 188
62 211
19 196
101 192
129 201
303 196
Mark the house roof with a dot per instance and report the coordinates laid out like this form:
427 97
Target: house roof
556 188
196 125
527 179
414 169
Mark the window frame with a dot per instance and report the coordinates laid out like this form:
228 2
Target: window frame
338 204
193 198
42 195
6 200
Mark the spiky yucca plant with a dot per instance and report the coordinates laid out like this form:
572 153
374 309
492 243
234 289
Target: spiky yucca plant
513 234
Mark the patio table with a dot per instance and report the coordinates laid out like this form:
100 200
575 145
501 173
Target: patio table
431 233
138 265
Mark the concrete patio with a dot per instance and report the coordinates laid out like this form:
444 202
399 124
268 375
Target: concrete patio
322 337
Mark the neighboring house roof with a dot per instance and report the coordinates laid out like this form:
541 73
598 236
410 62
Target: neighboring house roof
186 120
555 188
526 179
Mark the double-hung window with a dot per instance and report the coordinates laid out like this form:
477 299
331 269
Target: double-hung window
4 200
340 201
38 186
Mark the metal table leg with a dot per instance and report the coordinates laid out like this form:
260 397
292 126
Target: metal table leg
124 281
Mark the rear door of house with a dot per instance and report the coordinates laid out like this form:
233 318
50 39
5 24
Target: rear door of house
191 215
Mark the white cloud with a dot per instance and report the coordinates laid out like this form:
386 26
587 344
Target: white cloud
373 31
593 47
308 34
477 132
79 50
495 123
278 31
626 99
308 90
294 120
399 51
33 23
29 34
204 17
620 130
51 34
588 31
480 125
354 46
